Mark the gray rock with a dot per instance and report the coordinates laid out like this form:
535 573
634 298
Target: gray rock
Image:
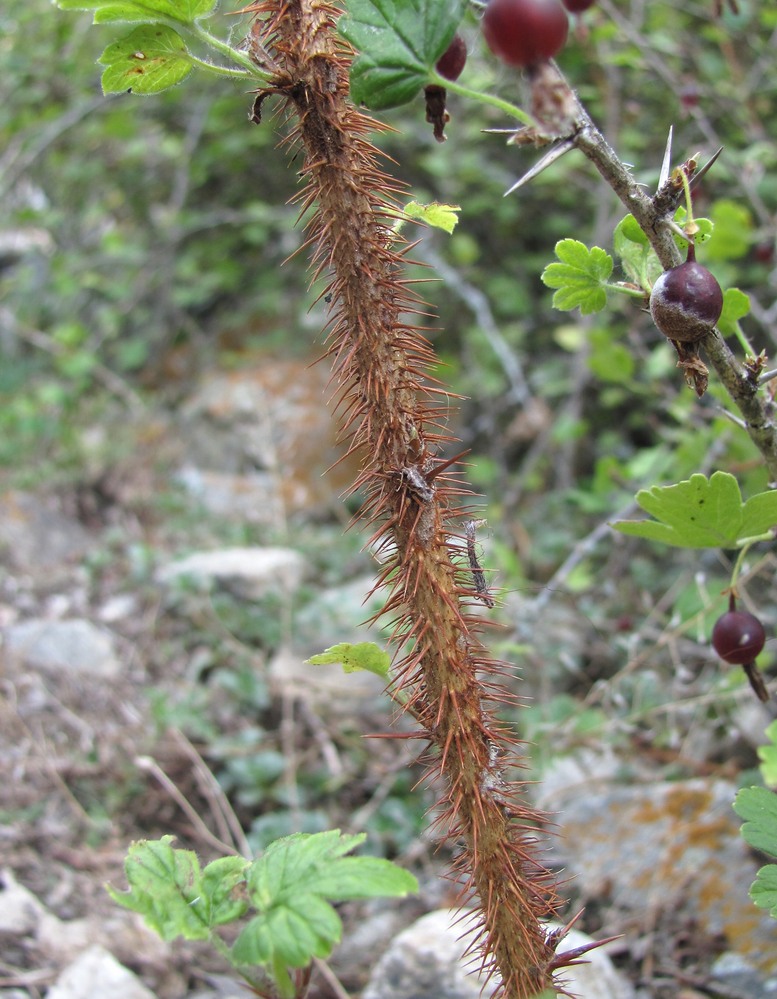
252 497
20 910
267 429
250 572
36 536
426 961
76 646
96 972
673 846
739 980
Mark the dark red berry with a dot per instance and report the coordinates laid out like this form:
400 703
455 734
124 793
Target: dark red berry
578 6
738 637
686 301
524 32
763 252
453 60
689 97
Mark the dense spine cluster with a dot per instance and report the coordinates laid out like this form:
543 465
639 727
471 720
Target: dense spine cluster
394 416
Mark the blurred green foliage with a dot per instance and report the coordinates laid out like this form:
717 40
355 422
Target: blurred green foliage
150 236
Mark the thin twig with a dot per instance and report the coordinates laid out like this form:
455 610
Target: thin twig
150 765
221 809
478 304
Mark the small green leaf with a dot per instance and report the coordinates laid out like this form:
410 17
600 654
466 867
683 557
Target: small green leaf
399 43
364 877
360 656
733 230
291 934
759 514
637 258
149 59
292 885
631 230
768 756
763 890
736 305
440 216
165 887
758 807
702 513
580 277
145 11
610 360
704 228
221 882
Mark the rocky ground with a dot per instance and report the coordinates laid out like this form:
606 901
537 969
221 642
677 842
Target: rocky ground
156 612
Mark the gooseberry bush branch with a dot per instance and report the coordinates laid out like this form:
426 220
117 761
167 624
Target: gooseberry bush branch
322 64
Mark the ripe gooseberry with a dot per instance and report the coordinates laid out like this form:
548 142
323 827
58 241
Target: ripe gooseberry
686 301
524 32
738 637
453 60
578 6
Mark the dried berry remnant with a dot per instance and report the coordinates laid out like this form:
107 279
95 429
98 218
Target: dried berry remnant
738 637
453 60
686 301
525 32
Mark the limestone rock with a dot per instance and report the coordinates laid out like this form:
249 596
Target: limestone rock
76 646
427 959
250 572
96 972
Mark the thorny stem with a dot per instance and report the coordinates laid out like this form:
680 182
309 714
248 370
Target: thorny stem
394 416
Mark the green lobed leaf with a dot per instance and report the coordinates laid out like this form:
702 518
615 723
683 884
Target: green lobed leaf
292 885
146 11
440 216
398 42
314 863
290 934
151 58
758 807
364 877
580 277
165 887
763 890
736 305
359 656
702 513
288 864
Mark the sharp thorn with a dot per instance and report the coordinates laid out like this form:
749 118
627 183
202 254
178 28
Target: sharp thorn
550 157
663 177
700 173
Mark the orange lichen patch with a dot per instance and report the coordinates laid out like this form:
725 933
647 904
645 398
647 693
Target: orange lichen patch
673 847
